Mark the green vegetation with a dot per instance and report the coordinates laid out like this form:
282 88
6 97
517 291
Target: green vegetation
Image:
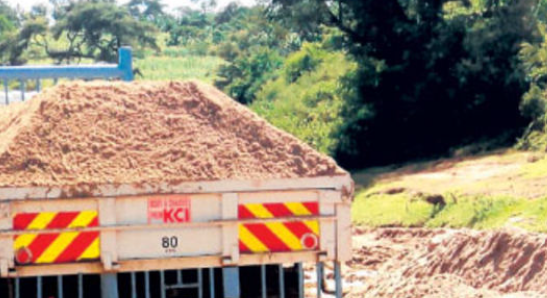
178 68
432 75
478 212
502 189
390 210
534 101
306 98
535 170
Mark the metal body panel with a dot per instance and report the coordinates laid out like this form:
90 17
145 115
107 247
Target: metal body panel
123 70
133 210
148 244
133 237
339 182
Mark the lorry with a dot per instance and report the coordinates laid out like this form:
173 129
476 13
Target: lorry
200 238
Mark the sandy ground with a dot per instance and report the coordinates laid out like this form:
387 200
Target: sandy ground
418 263
499 173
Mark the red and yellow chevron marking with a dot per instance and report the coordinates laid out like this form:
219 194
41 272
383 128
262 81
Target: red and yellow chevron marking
50 248
278 236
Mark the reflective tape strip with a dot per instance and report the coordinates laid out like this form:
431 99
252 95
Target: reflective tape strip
24 240
41 221
259 211
92 251
251 242
84 219
298 209
56 247
313 225
285 235
278 236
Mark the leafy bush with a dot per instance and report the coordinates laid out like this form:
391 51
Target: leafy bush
306 98
533 105
303 61
245 76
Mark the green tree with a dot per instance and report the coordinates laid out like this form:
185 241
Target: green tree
10 49
97 30
245 76
254 47
430 77
306 98
149 10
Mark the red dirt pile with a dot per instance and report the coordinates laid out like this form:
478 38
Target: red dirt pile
132 133
416 263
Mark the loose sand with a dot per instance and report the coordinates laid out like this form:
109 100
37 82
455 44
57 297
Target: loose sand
132 133
417 263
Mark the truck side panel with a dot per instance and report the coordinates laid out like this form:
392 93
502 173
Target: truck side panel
158 232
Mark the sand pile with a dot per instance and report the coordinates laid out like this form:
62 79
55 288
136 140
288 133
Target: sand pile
507 261
131 133
416 263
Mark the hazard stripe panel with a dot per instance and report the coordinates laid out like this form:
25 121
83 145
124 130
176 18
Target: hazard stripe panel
282 235
48 248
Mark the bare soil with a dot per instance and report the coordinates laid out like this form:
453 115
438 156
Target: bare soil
417 263
498 173
143 132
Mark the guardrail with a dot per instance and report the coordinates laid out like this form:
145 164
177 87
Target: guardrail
123 71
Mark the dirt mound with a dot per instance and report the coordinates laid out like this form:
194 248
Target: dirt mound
416 263
504 261
132 133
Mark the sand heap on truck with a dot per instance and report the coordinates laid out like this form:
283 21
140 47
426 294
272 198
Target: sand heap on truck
145 132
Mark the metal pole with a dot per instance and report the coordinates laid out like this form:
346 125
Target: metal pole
200 283
39 287
17 288
263 281
80 286
23 87
319 279
146 284
109 285
179 277
300 280
162 283
338 277
6 92
212 281
133 285
281 282
60 286
231 282
125 63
